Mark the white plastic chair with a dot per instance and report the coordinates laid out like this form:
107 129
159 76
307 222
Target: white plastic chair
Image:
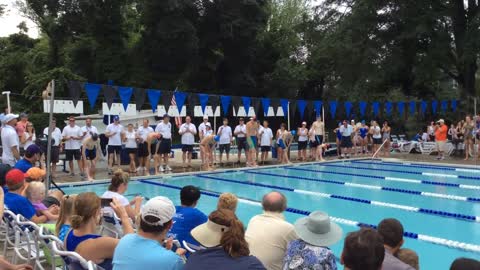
191 247
27 244
9 240
46 237
73 260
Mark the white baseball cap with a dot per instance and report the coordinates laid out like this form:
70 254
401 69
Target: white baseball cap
208 124
9 117
159 207
441 121
205 117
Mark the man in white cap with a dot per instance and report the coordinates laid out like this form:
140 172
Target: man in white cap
149 248
441 131
10 140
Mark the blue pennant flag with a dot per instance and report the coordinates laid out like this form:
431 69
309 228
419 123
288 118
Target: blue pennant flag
225 100
284 104
203 98
317 105
363 107
92 93
348 108
333 108
423 106
302 105
153 98
388 108
401 107
246 104
125 94
434 107
180 98
454 105
413 107
265 105
444 105
376 108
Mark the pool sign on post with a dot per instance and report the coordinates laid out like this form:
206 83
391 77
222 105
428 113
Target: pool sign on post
50 90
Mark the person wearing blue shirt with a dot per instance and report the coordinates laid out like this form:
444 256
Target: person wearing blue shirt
32 155
187 216
15 202
144 249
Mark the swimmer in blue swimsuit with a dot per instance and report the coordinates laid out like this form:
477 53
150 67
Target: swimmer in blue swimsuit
363 137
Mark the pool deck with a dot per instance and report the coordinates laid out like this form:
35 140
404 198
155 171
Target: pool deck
176 164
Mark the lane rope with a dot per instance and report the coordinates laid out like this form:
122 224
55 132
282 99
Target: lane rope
346 198
420 237
387 178
374 187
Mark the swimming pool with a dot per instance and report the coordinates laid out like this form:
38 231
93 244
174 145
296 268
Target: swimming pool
439 206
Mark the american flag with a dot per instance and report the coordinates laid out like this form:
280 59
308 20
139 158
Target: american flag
178 119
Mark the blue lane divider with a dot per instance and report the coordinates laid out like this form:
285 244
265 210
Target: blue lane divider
412 235
386 178
351 184
397 164
345 198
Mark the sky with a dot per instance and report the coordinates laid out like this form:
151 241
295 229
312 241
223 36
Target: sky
12 18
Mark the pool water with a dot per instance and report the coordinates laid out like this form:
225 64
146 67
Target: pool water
439 206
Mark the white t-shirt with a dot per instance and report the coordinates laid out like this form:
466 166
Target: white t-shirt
376 133
202 128
424 137
143 132
188 138
266 137
208 132
240 128
75 131
164 129
131 142
88 131
29 140
302 135
115 140
346 131
56 135
225 133
9 140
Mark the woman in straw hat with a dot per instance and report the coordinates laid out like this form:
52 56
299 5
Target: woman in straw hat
223 236
316 232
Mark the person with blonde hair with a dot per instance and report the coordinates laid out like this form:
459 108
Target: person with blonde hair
118 186
223 236
63 224
35 193
409 257
82 238
227 201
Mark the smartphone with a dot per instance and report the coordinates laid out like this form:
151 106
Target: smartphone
105 202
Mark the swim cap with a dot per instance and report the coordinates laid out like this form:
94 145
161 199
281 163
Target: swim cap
217 138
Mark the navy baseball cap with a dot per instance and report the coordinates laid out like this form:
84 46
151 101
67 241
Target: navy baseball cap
33 149
116 118
166 115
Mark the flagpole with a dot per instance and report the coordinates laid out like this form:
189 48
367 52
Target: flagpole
288 115
324 124
49 142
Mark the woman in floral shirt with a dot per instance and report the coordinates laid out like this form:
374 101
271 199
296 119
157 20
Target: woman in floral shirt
310 252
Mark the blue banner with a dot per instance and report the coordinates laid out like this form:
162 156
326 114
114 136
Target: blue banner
423 107
125 94
317 106
454 105
376 108
363 107
92 93
413 107
400 107
444 105
284 104
153 98
246 104
265 105
180 98
333 108
203 98
388 108
225 100
302 105
434 107
348 108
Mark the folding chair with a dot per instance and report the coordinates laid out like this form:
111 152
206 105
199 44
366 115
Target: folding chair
9 225
27 247
46 237
73 260
191 247
109 226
